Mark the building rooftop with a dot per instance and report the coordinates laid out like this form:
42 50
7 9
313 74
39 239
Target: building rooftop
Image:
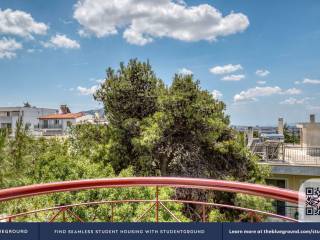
62 116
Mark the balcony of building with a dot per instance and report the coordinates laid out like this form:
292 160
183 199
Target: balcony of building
5 119
50 126
280 153
289 159
46 129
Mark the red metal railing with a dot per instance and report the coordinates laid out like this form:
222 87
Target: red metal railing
207 184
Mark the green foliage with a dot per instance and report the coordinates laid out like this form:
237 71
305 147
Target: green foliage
244 201
129 93
253 202
180 130
290 137
51 160
18 147
216 216
3 160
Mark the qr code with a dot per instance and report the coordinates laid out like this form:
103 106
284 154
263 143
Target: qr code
312 204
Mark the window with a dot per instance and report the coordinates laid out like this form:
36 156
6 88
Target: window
69 124
45 124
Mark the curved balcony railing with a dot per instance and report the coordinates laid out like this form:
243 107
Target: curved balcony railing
156 203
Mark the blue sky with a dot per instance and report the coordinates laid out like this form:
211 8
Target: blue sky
260 57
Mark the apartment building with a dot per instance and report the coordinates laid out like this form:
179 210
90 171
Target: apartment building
291 164
29 115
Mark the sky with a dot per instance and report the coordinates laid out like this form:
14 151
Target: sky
260 57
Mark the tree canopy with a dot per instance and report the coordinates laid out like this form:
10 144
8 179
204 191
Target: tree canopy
176 130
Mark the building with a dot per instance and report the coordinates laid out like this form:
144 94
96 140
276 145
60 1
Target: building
59 123
290 164
29 115
310 133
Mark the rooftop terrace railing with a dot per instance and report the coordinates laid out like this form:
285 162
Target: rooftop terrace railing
50 126
288 154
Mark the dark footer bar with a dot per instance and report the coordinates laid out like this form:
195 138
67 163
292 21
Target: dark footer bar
163 231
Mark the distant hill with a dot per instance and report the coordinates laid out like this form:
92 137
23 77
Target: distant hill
100 111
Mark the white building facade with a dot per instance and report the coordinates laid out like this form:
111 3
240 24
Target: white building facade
58 124
29 115
310 133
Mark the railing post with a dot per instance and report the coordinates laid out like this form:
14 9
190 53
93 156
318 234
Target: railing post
112 209
64 215
157 204
203 213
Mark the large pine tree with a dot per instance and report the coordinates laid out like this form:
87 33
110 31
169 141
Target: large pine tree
179 130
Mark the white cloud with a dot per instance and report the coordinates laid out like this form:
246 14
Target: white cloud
262 72
294 101
33 50
233 77
20 23
226 69
8 48
185 71
87 91
97 80
261 82
311 81
216 94
296 82
292 91
61 41
253 93
143 20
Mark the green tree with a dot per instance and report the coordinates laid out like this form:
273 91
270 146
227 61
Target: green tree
16 154
290 137
129 95
3 160
190 136
184 133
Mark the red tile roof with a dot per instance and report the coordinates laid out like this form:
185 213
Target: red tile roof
62 116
